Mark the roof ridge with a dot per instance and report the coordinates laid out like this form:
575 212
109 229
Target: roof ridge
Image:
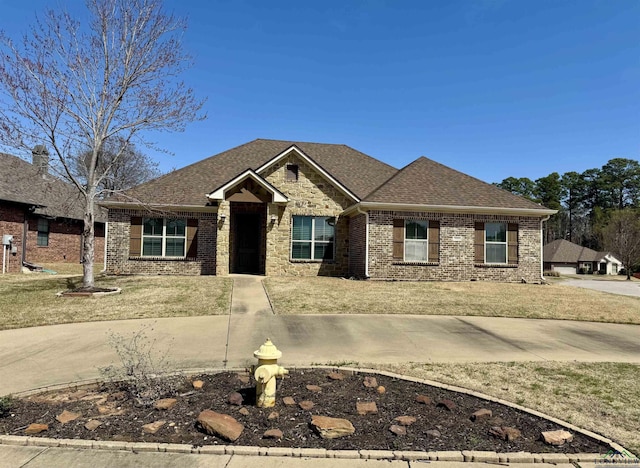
398 172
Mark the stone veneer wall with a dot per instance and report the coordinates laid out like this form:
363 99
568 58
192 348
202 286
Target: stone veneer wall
456 262
310 195
119 261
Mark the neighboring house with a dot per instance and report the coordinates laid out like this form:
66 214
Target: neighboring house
42 213
285 208
568 258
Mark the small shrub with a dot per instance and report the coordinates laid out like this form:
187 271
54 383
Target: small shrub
143 370
555 274
6 403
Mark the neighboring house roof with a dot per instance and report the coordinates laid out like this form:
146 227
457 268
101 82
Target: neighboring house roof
188 186
426 182
563 251
21 182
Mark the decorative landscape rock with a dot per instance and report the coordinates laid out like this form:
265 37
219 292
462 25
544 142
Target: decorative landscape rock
558 437
92 425
505 433
36 429
221 425
381 390
398 430
370 382
244 378
244 411
306 405
424 399
366 407
405 420
289 401
235 399
197 384
435 433
165 403
314 388
273 434
273 415
67 416
336 376
332 428
446 404
153 427
481 414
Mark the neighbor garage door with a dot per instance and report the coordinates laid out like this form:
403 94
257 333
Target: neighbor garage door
565 269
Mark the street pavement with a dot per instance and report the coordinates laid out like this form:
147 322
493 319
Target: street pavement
625 288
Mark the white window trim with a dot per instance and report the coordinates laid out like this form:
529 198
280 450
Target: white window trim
312 241
505 244
164 238
425 241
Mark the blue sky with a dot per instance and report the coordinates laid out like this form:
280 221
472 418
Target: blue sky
493 88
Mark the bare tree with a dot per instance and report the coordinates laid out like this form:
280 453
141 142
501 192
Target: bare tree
622 237
123 165
72 85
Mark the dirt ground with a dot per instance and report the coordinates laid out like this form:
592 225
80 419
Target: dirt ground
436 427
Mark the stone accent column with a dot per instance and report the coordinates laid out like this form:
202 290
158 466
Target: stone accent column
222 250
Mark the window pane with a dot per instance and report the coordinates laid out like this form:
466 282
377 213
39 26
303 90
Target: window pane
152 227
416 229
152 247
301 250
302 227
323 251
496 232
496 253
323 230
43 239
416 251
174 247
176 227
43 225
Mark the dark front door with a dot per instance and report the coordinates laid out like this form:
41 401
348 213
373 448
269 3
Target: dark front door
247 239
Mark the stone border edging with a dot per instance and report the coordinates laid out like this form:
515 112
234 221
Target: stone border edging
88 294
450 456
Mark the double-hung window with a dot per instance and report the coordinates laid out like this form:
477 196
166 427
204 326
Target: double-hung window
416 242
164 237
495 243
43 232
313 238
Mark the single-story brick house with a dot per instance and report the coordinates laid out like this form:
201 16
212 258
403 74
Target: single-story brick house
42 214
566 257
289 208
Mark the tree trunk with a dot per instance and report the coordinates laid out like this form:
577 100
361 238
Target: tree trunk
88 240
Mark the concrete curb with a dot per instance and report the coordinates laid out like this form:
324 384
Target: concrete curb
451 456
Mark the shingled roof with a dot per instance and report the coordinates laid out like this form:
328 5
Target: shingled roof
426 182
21 182
356 171
563 251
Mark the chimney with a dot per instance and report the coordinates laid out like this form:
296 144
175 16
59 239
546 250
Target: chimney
41 159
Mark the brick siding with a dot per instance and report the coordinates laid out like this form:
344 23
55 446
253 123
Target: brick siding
120 262
65 237
357 245
457 249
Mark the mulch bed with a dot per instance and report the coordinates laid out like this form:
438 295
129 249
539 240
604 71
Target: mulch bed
436 427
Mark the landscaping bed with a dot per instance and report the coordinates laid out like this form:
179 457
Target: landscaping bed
439 420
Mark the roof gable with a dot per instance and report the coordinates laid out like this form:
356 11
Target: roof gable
563 251
189 186
221 192
429 183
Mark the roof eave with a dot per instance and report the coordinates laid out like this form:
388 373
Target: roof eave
538 212
157 207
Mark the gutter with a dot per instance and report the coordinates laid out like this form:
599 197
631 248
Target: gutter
448 209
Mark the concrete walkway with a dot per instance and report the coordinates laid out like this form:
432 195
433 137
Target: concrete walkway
44 356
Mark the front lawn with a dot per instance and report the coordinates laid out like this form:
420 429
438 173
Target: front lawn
321 295
28 300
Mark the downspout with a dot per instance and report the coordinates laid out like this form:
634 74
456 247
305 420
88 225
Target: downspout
106 236
366 244
542 220
25 228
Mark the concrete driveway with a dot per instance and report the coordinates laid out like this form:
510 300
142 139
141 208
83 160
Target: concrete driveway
625 288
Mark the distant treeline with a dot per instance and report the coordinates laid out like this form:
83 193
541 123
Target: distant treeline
584 200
